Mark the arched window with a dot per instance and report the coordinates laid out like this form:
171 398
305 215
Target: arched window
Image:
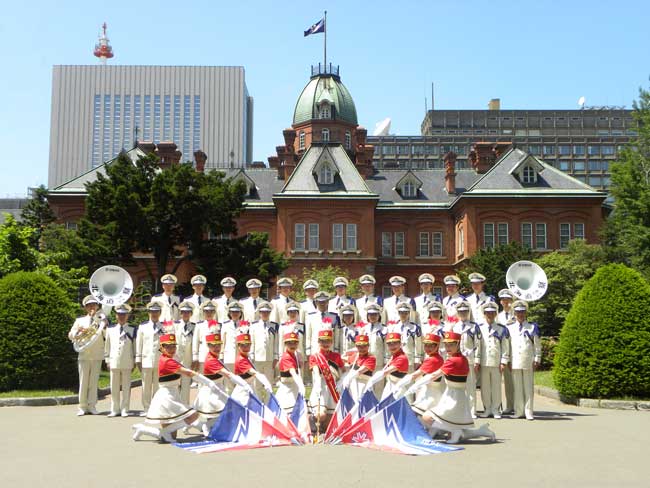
348 140
301 140
325 135
326 175
528 175
324 111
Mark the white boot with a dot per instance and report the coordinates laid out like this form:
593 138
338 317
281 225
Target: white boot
482 431
141 429
454 436
166 433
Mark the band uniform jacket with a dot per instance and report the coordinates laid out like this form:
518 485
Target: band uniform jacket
229 331
185 353
168 305
222 303
366 300
147 344
306 306
420 301
264 341
376 346
477 302
390 307
525 345
197 300
119 350
316 321
450 302
337 302
279 312
202 329
494 345
94 352
249 304
298 328
411 339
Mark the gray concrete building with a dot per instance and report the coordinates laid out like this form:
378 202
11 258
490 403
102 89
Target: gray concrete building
97 111
582 143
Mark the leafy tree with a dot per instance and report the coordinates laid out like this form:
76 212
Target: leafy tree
37 213
493 263
325 278
567 272
70 249
627 230
138 207
16 250
603 348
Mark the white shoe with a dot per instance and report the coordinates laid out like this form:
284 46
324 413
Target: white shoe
167 437
113 414
81 412
138 432
530 417
497 415
485 431
484 415
92 411
474 416
206 430
143 413
454 437
125 413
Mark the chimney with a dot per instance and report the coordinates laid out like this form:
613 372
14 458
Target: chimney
201 158
168 154
450 172
147 147
494 104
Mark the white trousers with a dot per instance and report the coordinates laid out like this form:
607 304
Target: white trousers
509 402
524 391
120 380
184 393
491 389
471 388
88 381
266 368
149 385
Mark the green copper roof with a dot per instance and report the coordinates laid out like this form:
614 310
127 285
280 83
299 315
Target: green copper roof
325 88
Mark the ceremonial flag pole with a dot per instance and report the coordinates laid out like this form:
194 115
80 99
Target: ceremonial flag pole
325 40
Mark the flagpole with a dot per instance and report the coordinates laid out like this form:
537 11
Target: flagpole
325 41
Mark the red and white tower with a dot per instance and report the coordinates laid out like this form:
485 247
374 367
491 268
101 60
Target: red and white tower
103 49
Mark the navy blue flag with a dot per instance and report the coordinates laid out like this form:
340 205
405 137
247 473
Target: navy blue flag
317 28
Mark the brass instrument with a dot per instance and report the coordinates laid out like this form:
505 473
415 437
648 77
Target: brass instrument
527 280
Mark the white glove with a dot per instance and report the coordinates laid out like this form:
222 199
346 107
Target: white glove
203 380
237 380
301 387
404 381
349 377
418 384
374 379
265 382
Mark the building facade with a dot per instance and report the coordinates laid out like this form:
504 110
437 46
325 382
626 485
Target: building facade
582 143
99 110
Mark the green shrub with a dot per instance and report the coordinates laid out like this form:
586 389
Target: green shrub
35 317
548 353
603 347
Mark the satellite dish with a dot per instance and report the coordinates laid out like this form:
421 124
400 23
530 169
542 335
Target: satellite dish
382 128
581 102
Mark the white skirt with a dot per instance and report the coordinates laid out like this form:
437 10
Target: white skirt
240 394
391 385
322 398
208 403
358 386
428 396
453 410
287 393
166 406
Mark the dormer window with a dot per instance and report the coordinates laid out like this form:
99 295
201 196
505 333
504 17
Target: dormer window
348 140
301 140
325 135
528 175
528 168
324 111
409 190
408 185
325 175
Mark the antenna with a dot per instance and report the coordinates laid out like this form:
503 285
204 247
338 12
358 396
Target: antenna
581 102
382 128
432 99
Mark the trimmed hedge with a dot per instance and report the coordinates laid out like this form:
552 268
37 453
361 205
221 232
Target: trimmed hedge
604 344
35 317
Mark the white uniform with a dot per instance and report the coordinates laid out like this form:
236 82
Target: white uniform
202 329
346 338
147 353
185 354
526 349
390 307
306 306
470 340
229 338
279 312
168 306
477 302
411 341
364 301
222 307
450 302
337 302
298 328
493 350
89 363
197 300
264 350
508 386
119 354
422 313
249 306
314 325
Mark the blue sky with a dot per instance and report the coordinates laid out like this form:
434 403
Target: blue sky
543 54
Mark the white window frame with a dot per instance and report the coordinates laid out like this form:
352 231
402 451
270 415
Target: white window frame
70 225
325 175
314 237
400 244
301 140
386 244
436 244
565 234
351 237
488 235
579 234
325 135
461 241
499 235
348 140
423 244
299 237
409 190
527 234
539 235
528 175
324 111
337 237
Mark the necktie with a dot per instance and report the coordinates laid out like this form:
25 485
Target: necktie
170 300
287 299
254 302
199 299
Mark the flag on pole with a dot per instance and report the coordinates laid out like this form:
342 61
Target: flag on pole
360 409
343 407
255 405
317 28
300 419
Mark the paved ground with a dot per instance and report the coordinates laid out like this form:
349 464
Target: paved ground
565 446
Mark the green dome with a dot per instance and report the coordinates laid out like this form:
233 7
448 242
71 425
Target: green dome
321 88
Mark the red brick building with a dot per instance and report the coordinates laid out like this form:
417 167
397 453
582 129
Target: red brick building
322 202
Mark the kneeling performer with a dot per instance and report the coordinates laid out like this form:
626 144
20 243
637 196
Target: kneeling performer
291 384
362 368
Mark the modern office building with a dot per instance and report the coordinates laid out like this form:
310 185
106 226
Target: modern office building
99 110
582 143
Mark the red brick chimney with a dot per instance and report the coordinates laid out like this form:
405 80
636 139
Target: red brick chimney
450 172
168 153
201 158
484 154
147 147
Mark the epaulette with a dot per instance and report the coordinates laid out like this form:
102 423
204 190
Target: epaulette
157 295
143 323
274 323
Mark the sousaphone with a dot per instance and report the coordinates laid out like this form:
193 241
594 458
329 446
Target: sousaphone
527 280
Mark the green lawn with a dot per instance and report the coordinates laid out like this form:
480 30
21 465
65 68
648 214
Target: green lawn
544 378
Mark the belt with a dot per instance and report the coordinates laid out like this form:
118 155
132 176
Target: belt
398 374
169 377
456 378
245 376
214 376
285 374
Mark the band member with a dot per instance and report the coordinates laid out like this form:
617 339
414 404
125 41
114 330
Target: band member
453 297
147 353
223 302
209 403
426 295
308 305
230 331
367 283
319 320
246 371
119 354
471 338
430 390
208 325
397 284
410 332
250 303
434 320
291 383
285 287
506 317
492 357
453 413
363 367
293 324
185 352
89 360
168 301
167 413
396 368
326 369
341 297
198 283
526 353
478 298
347 314
264 349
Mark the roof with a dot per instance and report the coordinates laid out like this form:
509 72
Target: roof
325 88
348 182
